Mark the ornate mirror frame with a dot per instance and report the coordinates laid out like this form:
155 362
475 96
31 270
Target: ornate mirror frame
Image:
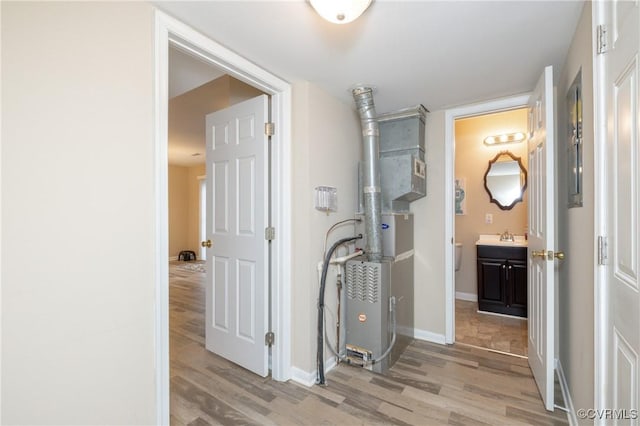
523 180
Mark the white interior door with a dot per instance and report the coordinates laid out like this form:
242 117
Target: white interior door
623 158
237 215
541 236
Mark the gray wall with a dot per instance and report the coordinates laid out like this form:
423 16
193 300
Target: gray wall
575 284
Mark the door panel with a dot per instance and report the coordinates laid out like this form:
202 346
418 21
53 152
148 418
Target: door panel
518 278
246 299
491 280
237 267
220 171
541 236
221 293
623 193
246 196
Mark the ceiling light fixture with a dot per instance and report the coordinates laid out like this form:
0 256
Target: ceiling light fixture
506 138
340 11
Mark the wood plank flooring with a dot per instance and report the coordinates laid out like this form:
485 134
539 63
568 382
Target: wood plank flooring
430 384
502 333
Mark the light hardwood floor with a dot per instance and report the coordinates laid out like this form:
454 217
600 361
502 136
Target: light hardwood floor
430 384
502 333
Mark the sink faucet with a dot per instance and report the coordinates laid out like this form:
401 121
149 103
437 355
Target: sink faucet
506 236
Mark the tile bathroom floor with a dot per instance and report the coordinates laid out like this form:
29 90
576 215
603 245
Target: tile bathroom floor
505 334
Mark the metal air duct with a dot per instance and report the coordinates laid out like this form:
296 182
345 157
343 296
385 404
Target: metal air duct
363 97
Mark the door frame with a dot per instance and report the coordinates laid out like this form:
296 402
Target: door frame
170 31
451 115
600 288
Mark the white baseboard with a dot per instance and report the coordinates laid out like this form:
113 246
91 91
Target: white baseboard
308 379
429 336
566 395
404 331
497 314
469 297
330 364
305 378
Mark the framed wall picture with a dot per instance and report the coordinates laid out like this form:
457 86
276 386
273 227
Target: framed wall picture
460 196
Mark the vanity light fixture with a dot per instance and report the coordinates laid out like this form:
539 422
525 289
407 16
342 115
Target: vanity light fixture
340 11
506 138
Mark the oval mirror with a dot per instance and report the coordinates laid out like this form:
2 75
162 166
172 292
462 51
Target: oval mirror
505 180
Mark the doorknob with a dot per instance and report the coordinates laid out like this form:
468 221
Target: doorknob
542 254
206 244
549 255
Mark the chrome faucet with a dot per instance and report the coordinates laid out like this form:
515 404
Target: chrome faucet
506 236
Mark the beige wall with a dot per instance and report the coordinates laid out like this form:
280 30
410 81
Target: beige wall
322 155
78 231
429 236
575 230
184 209
472 158
179 204
240 91
193 214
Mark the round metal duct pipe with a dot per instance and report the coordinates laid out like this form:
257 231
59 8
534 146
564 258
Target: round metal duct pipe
363 97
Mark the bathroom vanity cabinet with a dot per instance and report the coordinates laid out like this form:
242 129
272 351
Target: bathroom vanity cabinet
502 279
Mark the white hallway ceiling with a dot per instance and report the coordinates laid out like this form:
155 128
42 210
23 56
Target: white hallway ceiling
436 53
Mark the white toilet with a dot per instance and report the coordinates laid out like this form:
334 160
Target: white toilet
458 255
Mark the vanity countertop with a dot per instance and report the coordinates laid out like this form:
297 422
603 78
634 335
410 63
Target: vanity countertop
494 240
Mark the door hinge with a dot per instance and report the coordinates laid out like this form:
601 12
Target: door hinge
269 129
602 39
602 250
269 338
270 233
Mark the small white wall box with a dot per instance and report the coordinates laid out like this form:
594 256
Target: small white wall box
326 199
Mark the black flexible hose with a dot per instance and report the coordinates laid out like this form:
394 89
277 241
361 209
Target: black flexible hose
323 281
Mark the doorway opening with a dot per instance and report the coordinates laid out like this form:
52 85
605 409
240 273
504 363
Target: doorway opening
490 231
172 33
192 151
451 115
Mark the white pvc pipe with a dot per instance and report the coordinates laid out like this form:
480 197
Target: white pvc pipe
343 259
